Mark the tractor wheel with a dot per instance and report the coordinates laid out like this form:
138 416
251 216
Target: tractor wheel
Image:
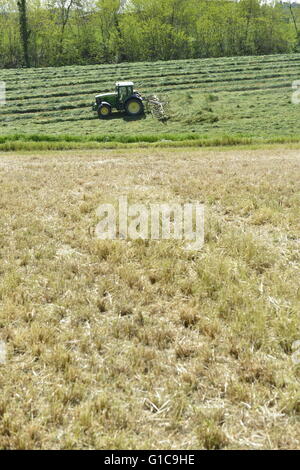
134 107
104 110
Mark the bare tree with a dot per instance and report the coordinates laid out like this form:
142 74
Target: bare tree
64 9
293 17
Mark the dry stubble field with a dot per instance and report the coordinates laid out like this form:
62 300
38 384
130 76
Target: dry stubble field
136 344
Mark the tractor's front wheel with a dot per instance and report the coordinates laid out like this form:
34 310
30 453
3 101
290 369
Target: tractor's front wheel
134 107
104 110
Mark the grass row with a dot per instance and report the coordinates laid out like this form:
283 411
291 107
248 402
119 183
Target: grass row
23 142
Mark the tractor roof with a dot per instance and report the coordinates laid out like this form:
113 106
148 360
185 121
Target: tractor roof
124 83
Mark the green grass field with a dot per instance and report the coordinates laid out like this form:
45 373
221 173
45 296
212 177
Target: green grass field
241 97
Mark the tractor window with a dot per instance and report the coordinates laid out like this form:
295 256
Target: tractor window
122 93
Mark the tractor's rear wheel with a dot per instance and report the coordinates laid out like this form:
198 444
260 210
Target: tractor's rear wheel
134 107
104 110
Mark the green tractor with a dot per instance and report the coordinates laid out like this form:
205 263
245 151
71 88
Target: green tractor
125 98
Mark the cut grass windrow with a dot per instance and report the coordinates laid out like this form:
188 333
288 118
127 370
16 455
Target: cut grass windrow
47 142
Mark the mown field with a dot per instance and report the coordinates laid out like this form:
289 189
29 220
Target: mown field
240 96
141 344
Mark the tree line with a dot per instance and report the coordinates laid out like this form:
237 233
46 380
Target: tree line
40 33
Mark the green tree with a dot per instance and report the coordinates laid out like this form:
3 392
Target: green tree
65 32
24 29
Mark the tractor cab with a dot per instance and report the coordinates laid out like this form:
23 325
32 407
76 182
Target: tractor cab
124 90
